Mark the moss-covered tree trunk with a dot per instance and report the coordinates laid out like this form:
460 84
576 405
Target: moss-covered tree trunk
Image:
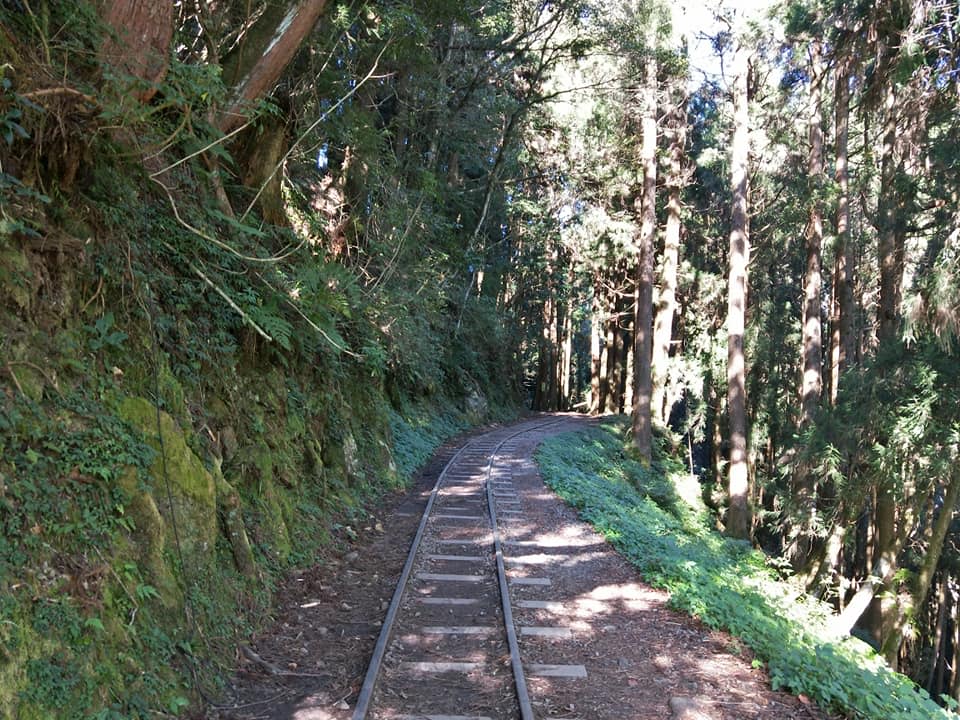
261 157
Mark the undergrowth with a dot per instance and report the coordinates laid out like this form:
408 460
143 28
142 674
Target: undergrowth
418 432
651 516
128 286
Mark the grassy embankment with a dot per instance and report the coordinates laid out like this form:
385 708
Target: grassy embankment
655 517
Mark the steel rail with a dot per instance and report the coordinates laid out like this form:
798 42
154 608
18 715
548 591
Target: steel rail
519 679
379 651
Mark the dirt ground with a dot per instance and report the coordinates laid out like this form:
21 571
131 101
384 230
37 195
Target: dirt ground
645 660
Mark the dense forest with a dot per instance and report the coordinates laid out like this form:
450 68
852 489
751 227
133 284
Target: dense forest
259 257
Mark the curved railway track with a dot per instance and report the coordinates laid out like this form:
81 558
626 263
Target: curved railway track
448 648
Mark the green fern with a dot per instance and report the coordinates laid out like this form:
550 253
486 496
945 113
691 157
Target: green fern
268 317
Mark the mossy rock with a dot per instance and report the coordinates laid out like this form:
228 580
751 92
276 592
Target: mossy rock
20 644
15 276
191 486
231 514
385 460
333 457
29 379
275 507
139 378
260 480
150 536
351 456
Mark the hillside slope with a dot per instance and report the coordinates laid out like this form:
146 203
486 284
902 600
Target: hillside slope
192 401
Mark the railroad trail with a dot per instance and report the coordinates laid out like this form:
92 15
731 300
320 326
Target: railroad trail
449 648
483 597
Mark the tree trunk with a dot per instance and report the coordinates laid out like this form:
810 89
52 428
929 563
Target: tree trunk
803 493
883 614
545 397
624 348
607 349
558 344
889 246
141 44
936 536
842 336
810 391
955 679
716 439
263 150
596 350
830 560
881 575
663 325
255 65
738 514
629 366
615 360
891 271
934 683
549 387
567 364
643 310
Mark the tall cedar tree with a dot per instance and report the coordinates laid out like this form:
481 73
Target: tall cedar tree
738 514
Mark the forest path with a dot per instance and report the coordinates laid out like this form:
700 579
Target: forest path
643 661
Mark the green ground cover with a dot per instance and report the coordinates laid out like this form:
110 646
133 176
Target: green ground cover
654 516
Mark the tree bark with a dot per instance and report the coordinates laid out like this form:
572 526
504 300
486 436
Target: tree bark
810 391
253 68
545 396
262 151
935 540
883 614
567 364
607 347
738 514
830 559
803 488
955 680
663 325
890 253
141 44
716 438
628 365
881 575
624 348
936 672
614 354
596 349
643 310
842 337
889 239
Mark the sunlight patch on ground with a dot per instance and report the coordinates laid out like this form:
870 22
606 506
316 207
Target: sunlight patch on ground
624 591
565 539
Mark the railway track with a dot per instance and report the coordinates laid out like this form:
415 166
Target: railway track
449 646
